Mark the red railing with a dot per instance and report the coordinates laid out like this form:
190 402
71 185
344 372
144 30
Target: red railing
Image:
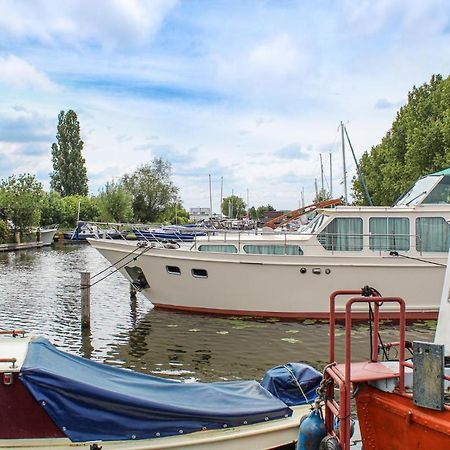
342 410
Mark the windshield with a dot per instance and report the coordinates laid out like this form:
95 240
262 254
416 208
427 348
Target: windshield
312 226
419 191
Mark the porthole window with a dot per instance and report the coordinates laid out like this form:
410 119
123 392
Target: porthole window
173 270
199 273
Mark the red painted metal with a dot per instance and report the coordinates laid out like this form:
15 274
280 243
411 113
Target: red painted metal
392 421
342 374
21 416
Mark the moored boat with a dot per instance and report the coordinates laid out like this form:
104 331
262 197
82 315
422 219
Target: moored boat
398 249
402 402
51 399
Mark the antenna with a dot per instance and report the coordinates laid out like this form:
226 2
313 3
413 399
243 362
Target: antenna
343 163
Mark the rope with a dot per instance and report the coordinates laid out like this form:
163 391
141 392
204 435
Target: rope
145 249
139 245
298 384
416 259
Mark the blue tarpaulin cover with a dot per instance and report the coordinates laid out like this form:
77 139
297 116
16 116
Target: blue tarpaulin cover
93 401
293 382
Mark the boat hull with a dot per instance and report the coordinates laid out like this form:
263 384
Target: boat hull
392 421
276 286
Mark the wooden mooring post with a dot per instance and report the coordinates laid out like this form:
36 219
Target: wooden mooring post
85 299
132 291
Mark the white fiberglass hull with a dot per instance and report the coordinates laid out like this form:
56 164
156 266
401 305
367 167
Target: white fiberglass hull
277 286
260 436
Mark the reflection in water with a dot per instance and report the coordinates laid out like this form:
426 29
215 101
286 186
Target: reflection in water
40 292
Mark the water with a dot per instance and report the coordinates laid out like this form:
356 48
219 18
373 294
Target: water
39 292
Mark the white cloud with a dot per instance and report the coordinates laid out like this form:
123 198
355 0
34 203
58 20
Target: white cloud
18 73
108 23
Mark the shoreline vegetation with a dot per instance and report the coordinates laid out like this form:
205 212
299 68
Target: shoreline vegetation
417 143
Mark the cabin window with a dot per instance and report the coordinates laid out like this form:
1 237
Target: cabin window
173 270
389 233
217 248
199 273
432 234
273 249
343 234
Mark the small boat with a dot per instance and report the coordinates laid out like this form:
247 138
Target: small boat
46 235
84 231
54 400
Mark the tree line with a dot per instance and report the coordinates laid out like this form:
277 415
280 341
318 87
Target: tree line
417 144
146 195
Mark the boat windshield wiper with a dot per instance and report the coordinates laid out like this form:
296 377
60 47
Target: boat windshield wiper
415 198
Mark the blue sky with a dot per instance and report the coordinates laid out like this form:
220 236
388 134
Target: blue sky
251 91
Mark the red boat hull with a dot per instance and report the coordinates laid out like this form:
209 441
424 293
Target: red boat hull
392 421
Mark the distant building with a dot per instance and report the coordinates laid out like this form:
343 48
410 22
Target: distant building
269 215
199 214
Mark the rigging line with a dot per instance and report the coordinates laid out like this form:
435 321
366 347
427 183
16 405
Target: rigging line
146 249
416 259
298 384
120 260
358 169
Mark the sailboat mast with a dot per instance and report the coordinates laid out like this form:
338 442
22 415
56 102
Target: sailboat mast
331 176
344 165
221 197
210 197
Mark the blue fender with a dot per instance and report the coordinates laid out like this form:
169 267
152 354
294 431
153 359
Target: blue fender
311 431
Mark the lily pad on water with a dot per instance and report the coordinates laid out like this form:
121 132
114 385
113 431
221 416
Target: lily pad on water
291 340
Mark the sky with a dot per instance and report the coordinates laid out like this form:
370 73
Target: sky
251 91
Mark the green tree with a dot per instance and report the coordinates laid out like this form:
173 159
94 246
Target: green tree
152 190
417 144
52 209
176 214
20 198
233 206
321 196
115 203
261 210
89 209
69 176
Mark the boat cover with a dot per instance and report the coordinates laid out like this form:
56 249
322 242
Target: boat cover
93 401
294 383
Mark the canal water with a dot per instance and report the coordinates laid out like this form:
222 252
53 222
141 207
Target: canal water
40 293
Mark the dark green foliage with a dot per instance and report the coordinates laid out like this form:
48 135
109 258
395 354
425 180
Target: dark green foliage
261 210
89 210
4 232
152 190
20 198
52 209
115 203
69 175
417 144
233 206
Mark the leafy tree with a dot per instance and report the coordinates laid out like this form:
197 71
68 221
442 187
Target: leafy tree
89 209
52 209
69 175
152 190
176 214
252 213
321 196
4 232
115 203
233 206
20 198
417 144
261 210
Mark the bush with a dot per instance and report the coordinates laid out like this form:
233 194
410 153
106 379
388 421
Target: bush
4 232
